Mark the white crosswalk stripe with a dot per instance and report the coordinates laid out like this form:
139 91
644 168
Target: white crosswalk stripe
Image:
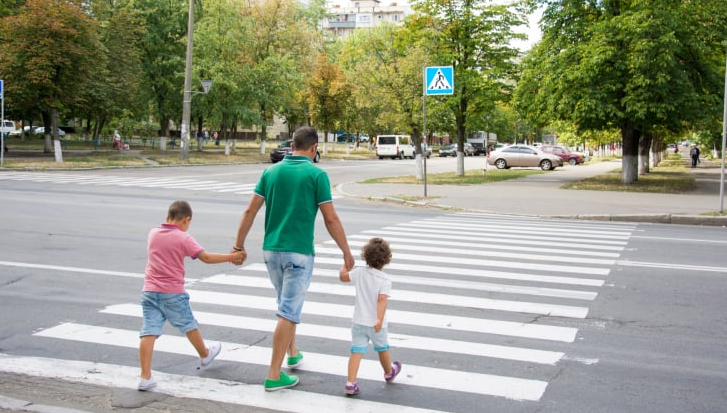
507 293
105 180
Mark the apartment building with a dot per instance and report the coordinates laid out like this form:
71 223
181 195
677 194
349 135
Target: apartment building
346 16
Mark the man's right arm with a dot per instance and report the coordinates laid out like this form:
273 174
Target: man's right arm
335 229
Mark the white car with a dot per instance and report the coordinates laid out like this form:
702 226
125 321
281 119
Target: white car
40 130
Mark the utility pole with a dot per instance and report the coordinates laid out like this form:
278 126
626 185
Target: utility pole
187 98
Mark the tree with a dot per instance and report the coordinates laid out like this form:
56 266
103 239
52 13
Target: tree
385 66
280 51
327 92
48 53
637 65
116 81
162 58
473 36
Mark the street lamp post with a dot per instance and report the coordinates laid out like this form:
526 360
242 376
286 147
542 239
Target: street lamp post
187 98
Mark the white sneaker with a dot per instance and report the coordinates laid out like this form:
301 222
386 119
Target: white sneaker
145 384
214 349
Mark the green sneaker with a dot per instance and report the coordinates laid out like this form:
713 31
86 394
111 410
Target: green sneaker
295 361
283 382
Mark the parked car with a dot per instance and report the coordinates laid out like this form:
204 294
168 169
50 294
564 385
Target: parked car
8 128
479 148
451 150
572 158
523 156
425 149
40 130
286 148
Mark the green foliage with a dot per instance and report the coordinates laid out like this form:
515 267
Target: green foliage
633 65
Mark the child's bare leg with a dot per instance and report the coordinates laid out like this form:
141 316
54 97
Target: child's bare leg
353 364
385 360
195 337
146 348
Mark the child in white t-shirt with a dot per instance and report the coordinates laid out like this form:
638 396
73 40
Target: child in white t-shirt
369 322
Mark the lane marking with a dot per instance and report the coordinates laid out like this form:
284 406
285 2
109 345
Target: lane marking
553 310
441 379
571 248
441 321
450 283
476 272
492 263
176 385
344 335
453 252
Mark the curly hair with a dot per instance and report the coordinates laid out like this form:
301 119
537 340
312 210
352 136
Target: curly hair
376 253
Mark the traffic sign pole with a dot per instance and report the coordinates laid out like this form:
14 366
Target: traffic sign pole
2 122
438 80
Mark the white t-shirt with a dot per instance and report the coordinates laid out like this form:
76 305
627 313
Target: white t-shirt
369 283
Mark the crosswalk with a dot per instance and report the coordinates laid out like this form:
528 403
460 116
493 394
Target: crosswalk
483 308
140 182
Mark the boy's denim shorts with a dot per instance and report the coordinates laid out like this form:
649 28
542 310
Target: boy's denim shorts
361 335
160 307
290 274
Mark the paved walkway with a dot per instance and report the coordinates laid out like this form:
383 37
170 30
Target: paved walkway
541 195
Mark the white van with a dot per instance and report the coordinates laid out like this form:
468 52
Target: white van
394 146
7 127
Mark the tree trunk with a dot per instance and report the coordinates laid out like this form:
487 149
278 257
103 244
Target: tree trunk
629 162
644 147
164 125
46 135
657 151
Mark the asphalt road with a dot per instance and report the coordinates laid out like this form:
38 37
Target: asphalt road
489 312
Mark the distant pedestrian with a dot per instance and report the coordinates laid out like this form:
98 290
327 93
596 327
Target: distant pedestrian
369 315
694 154
164 297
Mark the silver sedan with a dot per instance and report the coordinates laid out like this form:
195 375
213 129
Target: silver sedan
523 156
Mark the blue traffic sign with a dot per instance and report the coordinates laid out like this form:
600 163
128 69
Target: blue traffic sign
439 80
1 88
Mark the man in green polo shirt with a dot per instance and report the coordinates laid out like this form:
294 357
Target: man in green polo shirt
293 191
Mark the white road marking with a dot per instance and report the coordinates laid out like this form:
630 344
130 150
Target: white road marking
446 322
554 310
188 386
344 334
442 379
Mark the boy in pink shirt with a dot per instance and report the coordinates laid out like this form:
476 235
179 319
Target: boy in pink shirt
164 297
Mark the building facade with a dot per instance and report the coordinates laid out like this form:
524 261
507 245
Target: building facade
346 16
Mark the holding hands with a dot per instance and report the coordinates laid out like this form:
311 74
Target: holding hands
238 256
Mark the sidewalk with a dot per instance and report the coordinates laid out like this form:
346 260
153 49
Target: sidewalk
540 195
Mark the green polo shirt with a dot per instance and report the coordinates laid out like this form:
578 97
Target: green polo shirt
293 189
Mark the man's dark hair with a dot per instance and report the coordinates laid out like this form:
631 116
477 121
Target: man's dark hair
304 137
376 253
179 210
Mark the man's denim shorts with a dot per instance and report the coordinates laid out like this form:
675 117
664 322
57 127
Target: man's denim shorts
361 335
160 307
290 274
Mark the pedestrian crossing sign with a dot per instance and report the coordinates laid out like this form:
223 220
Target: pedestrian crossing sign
439 80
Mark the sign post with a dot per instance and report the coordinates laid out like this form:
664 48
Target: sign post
438 80
2 122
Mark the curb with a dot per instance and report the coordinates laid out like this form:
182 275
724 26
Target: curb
700 220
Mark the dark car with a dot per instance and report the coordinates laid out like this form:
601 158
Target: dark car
567 156
285 148
479 148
